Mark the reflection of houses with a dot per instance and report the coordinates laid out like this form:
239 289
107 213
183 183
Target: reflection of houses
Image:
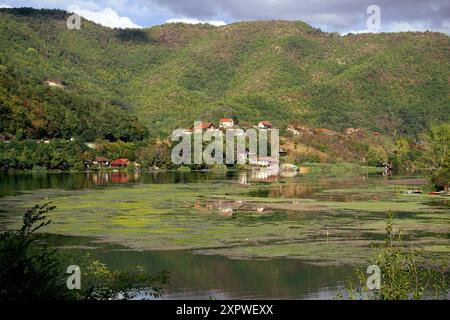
264 175
226 123
119 177
100 162
261 175
120 163
99 178
264 125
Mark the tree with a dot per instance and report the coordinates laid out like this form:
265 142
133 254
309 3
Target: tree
30 273
376 156
437 155
403 275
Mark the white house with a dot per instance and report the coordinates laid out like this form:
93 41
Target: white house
55 84
226 123
267 162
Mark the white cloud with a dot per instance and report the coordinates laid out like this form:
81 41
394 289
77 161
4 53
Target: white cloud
4 6
216 23
106 17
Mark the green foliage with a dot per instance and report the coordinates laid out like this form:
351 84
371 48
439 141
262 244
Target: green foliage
403 275
308 158
376 156
55 155
33 273
437 155
167 76
25 276
31 109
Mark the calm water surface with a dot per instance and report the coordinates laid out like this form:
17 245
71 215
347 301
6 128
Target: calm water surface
195 275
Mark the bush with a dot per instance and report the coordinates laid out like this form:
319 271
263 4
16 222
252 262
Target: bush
403 275
437 155
376 156
28 273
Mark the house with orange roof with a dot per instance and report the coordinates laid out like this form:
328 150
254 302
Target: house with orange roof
264 125
226 123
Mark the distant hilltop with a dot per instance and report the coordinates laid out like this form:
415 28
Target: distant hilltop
164 76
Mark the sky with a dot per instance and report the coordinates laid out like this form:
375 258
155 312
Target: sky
341 16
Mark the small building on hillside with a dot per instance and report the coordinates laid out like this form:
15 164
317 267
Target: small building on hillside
352 131
120 163
55 84
204 126
264 125
91 145
226 123
376 134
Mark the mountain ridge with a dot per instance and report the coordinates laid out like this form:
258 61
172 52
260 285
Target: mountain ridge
283 71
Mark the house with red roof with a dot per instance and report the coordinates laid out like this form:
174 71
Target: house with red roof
120 163
100 161
204 126
226 123
264 125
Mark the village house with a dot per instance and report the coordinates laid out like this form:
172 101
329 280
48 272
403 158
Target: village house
120 163
264 125
267 162
226 123
376 134
91 145
352 131
55 84
204 126
100 162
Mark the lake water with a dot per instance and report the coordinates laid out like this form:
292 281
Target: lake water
233 234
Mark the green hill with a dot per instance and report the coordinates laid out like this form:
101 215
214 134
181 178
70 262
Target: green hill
168 76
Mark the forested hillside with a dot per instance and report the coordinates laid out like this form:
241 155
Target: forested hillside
167 76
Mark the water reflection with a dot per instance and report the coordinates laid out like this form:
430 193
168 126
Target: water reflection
195 276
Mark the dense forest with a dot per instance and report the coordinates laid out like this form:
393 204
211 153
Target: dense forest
169 75
127 89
